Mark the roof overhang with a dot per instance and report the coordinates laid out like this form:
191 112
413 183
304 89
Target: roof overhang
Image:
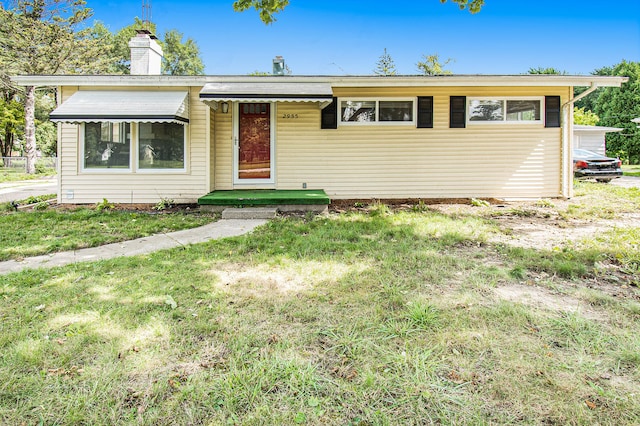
278 91
525 80
117 106
595 129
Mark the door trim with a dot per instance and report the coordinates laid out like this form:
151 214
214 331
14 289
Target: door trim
236 148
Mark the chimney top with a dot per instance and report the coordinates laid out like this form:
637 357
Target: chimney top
146 54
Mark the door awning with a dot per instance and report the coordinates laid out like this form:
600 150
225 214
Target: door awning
118 106
212 93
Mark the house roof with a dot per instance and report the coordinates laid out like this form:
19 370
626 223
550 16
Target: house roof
545 80
140 106
595 129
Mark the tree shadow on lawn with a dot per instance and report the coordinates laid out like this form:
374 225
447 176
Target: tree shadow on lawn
332 320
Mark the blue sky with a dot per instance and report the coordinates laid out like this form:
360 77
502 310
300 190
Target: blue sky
346 37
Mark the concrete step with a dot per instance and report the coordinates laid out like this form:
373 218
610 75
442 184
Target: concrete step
249 213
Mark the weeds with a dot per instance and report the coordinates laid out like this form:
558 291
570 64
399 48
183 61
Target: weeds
104 205
359 318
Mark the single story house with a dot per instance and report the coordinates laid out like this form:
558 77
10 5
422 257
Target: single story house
143 137
592 138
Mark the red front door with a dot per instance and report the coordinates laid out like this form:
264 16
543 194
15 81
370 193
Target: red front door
254 140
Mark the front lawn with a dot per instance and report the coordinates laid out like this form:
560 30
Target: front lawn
631 170
380 316
31 233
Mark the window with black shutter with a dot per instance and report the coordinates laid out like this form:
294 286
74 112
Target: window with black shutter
552 111
425 112
330 115
457 112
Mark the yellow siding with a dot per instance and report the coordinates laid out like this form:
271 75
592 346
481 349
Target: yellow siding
129 187
503 160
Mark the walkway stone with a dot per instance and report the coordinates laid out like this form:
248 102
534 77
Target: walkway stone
216 230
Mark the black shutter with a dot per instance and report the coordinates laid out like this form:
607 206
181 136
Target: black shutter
552 111
425 112
458 112
330 115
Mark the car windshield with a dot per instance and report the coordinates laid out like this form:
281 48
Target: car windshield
583 153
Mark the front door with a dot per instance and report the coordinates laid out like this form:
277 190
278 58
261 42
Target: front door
254 159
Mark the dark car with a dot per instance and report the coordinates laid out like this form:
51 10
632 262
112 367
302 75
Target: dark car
589 165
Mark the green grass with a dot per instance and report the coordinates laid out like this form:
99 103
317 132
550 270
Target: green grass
27 233
10 175
381 317
631 170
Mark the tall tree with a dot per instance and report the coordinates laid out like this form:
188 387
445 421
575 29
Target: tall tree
44 37
431 65
617 106
180 58
385 65
268 8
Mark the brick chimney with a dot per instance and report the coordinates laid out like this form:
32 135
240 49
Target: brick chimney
146 54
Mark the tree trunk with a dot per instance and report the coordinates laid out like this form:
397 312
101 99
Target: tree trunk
30 128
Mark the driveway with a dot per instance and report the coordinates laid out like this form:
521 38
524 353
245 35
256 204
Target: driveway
13 191
627 181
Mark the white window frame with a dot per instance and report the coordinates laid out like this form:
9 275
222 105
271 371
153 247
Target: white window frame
116 170
134 142
504 120
158 170
377 121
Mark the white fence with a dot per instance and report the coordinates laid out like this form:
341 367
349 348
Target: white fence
19 164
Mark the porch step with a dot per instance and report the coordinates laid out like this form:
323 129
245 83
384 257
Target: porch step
249 213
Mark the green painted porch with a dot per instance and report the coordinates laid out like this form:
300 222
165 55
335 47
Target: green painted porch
289 199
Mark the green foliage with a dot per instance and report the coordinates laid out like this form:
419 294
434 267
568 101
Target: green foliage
268 8
432 65
616 107
385 65
472 6
164 204
479 203
548 70
582 116
180 58
104 205
11 121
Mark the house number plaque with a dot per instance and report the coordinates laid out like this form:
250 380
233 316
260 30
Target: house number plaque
290 116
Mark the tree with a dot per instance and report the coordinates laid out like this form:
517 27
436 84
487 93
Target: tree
617 106
549 70
11 121
268 8
180 58
585 117
431 65
385 65
44 37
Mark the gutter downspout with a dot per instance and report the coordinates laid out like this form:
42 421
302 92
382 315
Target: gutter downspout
567 140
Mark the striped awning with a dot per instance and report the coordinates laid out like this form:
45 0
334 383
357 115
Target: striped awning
212 93
120 106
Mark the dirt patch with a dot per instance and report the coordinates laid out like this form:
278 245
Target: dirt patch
546 299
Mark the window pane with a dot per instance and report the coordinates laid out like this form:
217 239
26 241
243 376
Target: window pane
358 111
396 111
523 110
486 110
161 146
107 145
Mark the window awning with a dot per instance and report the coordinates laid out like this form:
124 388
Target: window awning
117 106
212 93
